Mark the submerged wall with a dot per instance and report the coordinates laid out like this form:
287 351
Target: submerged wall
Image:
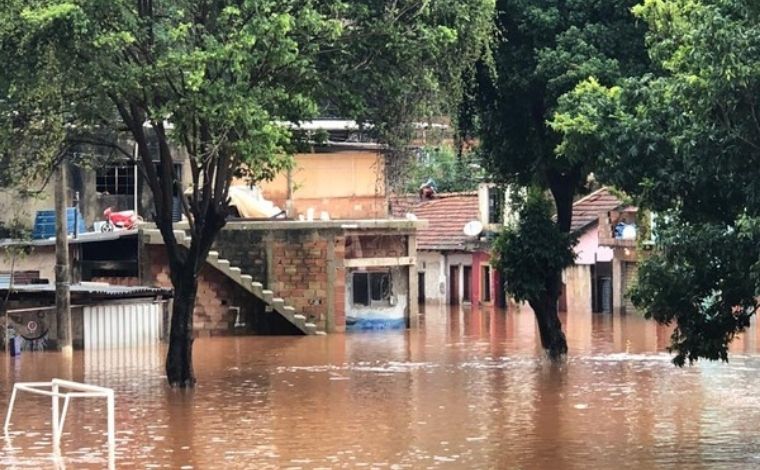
308 265
390 313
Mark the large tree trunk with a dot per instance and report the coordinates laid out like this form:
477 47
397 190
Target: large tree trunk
562 186
179 359
549 326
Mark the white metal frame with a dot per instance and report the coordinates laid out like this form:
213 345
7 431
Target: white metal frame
78 390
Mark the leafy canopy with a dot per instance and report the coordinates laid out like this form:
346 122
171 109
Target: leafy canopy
544 49
685 142
535 244
451 172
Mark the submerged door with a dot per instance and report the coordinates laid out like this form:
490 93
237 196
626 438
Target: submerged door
467 284
421 288
485 289
454 285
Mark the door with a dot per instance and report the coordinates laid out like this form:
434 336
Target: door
467 283
454 285
486 280
421 288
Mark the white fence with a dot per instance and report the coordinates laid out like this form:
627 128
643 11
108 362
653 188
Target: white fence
57 389
122 324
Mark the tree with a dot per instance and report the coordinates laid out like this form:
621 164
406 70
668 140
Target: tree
451 172
525 252
213 81
685 142
402 63
543 50
204 76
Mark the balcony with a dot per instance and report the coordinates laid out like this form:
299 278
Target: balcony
612 234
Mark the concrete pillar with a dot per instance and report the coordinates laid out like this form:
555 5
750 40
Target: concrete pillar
62 264
331 273
413 309
617 285
475 292
269 254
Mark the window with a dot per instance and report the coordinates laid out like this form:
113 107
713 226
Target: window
116 180
371 288
495 205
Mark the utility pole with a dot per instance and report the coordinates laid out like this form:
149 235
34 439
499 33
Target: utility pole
62 268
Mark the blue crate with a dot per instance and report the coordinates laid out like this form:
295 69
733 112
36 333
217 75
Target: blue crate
44 223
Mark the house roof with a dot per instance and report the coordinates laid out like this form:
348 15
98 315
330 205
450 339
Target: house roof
88 290
586 210
83 237
446 215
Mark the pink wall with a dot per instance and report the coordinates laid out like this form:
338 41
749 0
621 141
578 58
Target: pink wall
588 251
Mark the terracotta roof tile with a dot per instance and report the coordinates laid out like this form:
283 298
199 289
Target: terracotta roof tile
400 205
447 215
586 210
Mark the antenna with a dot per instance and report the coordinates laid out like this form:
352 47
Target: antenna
473 228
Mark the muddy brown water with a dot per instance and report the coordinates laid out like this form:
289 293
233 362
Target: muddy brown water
467 389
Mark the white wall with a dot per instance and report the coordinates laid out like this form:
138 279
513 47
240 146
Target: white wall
433 265
41 258
460 260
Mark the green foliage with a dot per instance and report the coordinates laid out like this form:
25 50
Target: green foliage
685 142
543 50
403 62
450 172
705 277
534 246
546 49
217 82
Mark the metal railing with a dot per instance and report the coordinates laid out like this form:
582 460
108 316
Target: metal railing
57 389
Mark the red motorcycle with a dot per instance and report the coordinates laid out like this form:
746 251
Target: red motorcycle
123 220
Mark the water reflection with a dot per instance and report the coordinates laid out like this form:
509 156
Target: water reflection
468 389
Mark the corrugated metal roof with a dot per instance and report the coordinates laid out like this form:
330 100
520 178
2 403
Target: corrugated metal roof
93 289
84 237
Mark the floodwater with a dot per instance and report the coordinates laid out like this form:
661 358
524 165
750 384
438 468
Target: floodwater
467 389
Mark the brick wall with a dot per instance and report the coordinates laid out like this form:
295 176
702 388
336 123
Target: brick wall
376 246
246 250
217 293
302 266
300 271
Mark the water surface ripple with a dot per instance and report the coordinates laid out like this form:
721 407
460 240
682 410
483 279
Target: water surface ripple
467 389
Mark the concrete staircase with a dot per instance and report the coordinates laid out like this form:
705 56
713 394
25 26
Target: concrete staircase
273 305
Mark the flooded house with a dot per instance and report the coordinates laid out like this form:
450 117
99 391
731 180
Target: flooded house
331 262
606 254
454 250
300 277
110 306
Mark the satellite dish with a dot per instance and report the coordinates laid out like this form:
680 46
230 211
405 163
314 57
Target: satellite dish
473 228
